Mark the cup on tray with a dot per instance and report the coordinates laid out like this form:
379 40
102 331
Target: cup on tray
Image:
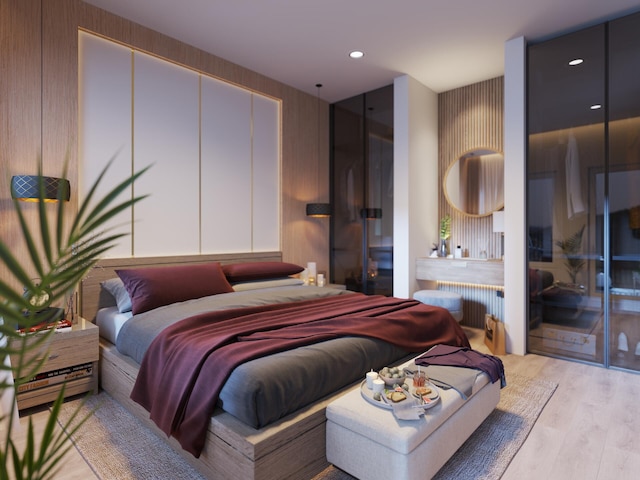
419 379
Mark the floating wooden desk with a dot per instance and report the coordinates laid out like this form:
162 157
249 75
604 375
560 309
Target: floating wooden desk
465 270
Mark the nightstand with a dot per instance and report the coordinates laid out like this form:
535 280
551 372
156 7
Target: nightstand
72 356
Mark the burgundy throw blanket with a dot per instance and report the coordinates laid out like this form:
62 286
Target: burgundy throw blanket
186 366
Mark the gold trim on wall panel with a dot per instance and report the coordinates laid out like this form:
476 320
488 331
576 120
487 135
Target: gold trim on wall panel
468 118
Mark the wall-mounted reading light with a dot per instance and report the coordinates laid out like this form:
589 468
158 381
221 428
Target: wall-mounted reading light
27 188
318 209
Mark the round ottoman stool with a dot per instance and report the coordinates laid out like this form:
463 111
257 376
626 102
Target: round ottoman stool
439 298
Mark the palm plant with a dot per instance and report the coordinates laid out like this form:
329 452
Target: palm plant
445 227
570 248
60 256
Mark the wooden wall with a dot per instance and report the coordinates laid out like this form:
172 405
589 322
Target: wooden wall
39 112
469 118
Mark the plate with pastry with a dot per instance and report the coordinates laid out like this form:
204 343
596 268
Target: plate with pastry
425 397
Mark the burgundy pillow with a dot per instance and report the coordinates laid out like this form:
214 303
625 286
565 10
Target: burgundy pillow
244 272
154 287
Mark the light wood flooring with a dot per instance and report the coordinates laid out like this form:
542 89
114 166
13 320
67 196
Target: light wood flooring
589 430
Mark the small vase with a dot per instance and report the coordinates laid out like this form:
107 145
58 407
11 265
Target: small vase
443 248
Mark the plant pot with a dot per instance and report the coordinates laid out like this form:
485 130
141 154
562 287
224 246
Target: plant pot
442 251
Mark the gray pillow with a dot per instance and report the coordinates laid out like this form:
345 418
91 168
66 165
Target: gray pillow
115 287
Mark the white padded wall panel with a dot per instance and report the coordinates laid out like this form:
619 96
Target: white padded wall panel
226 167
166 133
266 174
215 149
105 125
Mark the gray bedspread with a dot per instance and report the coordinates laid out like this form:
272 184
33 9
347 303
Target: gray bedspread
266 389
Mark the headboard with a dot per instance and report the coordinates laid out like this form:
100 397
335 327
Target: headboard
90 290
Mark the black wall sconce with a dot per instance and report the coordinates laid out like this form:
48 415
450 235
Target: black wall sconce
31 188
318 209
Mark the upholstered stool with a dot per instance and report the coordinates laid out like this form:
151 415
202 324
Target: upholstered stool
368 442
439 298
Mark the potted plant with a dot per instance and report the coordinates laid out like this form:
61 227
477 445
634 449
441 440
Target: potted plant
570 247
445 233
60 255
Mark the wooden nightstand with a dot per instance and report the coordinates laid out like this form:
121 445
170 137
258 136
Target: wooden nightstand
71 355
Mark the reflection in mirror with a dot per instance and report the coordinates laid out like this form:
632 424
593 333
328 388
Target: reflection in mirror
474 183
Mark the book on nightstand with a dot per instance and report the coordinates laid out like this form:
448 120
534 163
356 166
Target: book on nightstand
44 379
60 326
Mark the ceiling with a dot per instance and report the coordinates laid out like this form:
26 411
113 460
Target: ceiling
444 44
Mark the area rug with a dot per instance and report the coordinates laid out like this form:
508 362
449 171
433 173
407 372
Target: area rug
117 446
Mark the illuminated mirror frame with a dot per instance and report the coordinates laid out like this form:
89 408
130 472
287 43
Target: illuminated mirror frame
455 164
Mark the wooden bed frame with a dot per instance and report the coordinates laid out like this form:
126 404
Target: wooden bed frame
293 447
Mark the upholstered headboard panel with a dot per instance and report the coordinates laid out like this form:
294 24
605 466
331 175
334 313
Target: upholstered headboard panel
90 291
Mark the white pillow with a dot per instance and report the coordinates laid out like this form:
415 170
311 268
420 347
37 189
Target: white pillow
116 288
257 284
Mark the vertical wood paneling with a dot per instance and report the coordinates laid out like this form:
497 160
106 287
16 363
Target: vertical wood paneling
469 118
20 115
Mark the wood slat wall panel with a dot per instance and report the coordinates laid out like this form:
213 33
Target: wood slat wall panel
20 114
468 118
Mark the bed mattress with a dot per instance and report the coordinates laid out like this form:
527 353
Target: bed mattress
263 390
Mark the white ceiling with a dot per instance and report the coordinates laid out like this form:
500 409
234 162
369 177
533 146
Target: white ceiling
444 44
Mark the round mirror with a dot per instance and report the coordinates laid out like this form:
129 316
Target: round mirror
474 183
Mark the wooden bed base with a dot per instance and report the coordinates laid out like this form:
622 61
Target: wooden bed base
293 447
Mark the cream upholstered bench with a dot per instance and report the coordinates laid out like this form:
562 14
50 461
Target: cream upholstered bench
439 298
368 442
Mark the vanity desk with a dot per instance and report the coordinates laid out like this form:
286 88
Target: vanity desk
480 282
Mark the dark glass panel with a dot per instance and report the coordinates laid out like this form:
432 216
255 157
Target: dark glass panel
624 192
362 192
566 146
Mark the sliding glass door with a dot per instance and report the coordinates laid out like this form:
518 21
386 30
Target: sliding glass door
622 195
584 195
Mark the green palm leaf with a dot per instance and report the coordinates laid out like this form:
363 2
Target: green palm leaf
58 257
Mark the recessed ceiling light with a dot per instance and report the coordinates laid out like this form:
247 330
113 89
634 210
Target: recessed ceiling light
356 54
595 107
576 61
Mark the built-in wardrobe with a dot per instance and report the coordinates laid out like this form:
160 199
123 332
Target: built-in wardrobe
583 208
362 192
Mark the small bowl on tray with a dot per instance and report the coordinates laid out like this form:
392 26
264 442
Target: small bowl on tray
392 376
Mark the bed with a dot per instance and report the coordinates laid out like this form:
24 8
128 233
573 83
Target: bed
244 437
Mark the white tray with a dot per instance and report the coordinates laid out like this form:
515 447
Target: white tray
431 401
